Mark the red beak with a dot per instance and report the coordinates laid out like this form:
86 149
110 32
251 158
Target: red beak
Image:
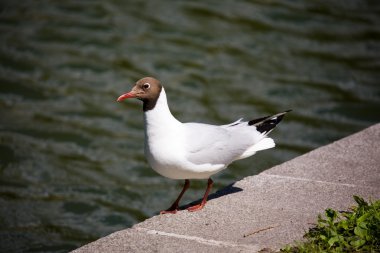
125 96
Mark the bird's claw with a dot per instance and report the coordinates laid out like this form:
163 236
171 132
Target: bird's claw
195 208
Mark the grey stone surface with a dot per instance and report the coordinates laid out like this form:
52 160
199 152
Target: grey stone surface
141 240
269 210
352 160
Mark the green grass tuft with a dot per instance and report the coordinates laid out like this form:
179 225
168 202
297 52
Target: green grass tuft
357 230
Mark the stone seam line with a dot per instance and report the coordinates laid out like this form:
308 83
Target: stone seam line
311 180
201 240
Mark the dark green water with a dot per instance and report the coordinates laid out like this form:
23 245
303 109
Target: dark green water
72 167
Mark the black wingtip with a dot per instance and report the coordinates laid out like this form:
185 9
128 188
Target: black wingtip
266 124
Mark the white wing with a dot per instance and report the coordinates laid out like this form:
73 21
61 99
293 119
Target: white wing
218 144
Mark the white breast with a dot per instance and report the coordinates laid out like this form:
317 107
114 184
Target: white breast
165 145
163 139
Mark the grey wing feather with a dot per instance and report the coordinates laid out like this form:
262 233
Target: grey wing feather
214 144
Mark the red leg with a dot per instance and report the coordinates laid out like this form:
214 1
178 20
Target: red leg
204 200
174 207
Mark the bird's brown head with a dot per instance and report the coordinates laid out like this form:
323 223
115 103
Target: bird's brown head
147 89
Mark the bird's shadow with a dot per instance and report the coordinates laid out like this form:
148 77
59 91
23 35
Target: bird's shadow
230 189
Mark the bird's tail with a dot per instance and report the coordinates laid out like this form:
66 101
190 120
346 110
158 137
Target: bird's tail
266 124
265 143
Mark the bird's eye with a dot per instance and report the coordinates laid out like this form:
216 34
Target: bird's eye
146 86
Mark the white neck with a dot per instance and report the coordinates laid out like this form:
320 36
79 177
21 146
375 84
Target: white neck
160 116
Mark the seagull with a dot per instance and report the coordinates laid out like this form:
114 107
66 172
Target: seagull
188 151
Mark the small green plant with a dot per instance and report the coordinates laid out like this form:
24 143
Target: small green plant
357 230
